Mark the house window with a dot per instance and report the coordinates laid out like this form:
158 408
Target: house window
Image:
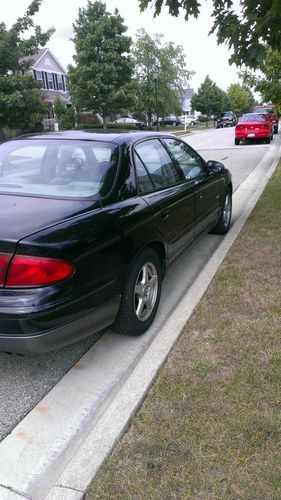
60 82
39 77
50 81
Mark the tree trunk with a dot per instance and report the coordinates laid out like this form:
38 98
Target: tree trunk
104 121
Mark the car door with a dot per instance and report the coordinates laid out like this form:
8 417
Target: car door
204 185
163 186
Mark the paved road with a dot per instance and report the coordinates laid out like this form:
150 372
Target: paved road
24 380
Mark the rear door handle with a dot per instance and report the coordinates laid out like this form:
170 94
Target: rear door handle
164 213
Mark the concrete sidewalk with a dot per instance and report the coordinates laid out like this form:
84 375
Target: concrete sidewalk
56 450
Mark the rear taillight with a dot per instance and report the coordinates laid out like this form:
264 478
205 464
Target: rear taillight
29 271
265 126
4 264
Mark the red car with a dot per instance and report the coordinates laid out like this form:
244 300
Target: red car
268 109
254 126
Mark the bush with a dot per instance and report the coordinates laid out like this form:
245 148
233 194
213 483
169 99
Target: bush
84 118
65 116
202 118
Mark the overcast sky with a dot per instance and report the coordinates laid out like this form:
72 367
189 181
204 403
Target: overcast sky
203 55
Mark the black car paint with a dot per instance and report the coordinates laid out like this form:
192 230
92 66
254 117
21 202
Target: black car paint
101 238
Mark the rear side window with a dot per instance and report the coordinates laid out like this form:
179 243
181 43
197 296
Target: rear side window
58 168
161 170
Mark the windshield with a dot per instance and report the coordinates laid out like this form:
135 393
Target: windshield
227 114
58 168
253 117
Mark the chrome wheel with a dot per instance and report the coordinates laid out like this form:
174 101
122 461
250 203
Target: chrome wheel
227 210
146 291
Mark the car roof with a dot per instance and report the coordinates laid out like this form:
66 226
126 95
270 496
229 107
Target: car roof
108 135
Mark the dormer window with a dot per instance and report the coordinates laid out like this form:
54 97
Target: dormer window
50 81
60 82
39 77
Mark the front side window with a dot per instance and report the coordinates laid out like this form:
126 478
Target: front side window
61 169
190 163
162 170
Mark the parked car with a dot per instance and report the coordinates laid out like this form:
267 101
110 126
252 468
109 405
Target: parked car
169 120
131 121
89 224
226 119
254 126
268 109
188 119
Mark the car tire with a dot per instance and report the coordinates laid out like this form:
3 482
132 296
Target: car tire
267 140
141 294
223 224
237 142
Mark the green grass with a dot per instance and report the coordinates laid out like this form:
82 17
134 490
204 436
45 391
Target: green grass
210 427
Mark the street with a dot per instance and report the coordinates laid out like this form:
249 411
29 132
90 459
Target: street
25 380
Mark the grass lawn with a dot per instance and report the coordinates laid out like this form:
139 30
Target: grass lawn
210 427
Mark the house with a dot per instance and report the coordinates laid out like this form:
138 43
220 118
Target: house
48 71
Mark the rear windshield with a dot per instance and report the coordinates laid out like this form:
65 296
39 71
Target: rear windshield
253 117
227 114
58 168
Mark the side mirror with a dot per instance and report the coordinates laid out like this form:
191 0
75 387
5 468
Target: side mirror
215 167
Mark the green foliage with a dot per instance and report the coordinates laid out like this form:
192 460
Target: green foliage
268 81
247 31
238 98
150 54
210 99
21 102
14 48
103 67
65 115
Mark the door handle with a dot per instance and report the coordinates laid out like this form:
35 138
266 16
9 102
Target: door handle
164 213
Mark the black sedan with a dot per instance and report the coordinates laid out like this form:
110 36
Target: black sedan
89 224
168 120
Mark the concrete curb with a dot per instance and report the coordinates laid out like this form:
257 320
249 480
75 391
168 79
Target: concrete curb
41 459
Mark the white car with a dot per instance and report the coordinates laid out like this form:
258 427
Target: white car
131 121
188 119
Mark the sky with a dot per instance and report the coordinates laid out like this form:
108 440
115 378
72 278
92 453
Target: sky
203 55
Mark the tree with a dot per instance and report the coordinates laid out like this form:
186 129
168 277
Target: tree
238 98
247 32
150 54
65 115
209 100
268 81
21 103
103 66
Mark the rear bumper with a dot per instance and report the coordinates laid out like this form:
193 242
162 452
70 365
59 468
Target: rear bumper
260 135
68 333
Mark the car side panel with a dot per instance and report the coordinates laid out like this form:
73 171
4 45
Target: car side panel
173 212
208 201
